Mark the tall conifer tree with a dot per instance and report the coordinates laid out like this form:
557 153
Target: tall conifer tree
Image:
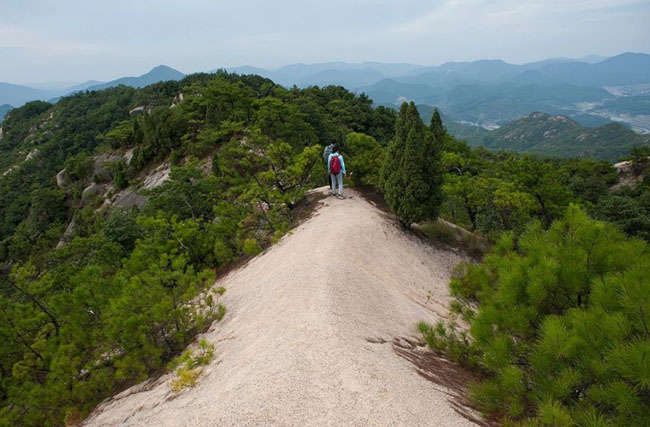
437 128
391 173
412 172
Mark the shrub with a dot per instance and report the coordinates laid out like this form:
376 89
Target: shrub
251 247
559 324
185 378
365 158
188 365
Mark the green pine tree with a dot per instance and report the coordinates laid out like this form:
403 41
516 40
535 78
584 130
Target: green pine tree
412 173
436 126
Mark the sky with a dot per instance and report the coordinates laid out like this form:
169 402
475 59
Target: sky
74 41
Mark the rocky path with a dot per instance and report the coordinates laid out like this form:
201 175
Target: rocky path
308 337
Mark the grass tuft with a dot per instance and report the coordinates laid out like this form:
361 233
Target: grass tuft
187 366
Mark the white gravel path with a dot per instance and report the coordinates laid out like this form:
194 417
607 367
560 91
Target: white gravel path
307 337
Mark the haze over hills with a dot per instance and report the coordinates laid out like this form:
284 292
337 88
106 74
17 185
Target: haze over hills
489 93
17 95
157 74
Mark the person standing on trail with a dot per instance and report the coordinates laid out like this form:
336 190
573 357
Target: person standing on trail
336 169
326 157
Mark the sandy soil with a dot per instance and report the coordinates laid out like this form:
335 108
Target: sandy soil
308 337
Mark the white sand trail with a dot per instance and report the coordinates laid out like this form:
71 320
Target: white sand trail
307 337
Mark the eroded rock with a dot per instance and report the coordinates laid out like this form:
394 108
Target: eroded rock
62 179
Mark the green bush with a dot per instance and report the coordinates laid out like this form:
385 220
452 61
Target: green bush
251 247
559 323
364 159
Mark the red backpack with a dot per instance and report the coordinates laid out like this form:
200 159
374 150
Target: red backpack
335 165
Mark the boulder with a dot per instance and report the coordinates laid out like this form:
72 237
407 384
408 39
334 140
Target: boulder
137 110
177 100
128 155
91 191
129 198
99 170
62 179
67 234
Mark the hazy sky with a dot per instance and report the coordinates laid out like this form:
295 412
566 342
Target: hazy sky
74 41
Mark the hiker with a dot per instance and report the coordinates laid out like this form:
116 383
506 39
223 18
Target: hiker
326 157
336 169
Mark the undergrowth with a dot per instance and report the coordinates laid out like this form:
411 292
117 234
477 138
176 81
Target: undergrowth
187 366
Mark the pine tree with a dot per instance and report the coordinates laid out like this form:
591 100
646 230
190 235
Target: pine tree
436 127
412 173
558 325
390 175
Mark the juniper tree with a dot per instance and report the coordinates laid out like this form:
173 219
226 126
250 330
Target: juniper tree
436 126
412 171
390 175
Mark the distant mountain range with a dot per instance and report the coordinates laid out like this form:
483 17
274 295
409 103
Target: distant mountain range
592 91
157 74
624 69
17 95
557 135
489 93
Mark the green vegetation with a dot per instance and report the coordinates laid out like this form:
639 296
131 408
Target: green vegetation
365 157
411 173
129 289
558 323
557 312
547 135
187 366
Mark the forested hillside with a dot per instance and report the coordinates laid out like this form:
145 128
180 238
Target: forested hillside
94 297
559 136
126 290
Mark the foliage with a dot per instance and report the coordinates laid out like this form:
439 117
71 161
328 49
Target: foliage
495 192
130 289
560 136
640 155
559 323
58 131
187 365
365 157
412 174
185 378
631 214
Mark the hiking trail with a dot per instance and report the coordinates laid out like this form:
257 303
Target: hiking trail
309 338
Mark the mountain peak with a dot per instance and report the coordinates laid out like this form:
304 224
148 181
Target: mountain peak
166 71
163 67
157 74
